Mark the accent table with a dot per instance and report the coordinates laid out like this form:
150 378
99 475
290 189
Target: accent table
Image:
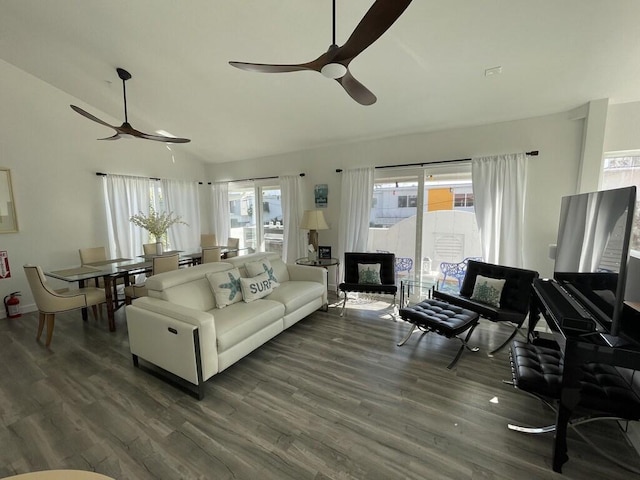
322 262
414 290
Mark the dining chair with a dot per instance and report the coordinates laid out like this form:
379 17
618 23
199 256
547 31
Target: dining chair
50 301
99 254
208 240
149 248
232 244
211 254
159 264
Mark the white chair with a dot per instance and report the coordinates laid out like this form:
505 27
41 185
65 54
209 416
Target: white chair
232 244
50 302
208 240
159 264
211 254
149 248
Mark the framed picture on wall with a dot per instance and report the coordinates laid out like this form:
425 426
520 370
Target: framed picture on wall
324 252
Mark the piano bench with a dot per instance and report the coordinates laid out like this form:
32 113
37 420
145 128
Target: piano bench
442 318
603 390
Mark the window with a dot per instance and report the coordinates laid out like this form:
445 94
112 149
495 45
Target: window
623 170
259 228
463 200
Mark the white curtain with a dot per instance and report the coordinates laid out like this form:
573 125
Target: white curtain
294 245
499 184
221 222
181 197
125 196
355 210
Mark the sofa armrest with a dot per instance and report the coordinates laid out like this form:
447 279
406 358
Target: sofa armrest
307 273
161 332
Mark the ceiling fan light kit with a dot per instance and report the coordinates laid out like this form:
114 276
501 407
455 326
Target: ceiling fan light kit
334 63
126 130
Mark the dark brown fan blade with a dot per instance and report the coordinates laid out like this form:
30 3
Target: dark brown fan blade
268 68
84 113
381 15
127 129
356 90
162 138
114 137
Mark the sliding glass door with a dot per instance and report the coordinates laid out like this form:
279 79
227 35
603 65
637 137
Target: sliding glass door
426 217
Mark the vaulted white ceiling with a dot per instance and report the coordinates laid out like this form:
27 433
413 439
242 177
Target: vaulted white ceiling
427 70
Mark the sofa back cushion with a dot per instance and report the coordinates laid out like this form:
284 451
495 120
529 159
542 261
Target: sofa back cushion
279 267
188 287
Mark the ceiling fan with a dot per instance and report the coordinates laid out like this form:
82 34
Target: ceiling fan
334 63
126 130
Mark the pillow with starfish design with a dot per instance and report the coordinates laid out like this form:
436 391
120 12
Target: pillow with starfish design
262 266
226 287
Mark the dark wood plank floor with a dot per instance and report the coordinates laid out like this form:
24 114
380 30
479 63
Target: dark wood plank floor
329 398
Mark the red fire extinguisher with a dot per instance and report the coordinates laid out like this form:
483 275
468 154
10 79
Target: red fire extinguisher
12 305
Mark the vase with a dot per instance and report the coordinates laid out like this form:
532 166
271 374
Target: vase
159 248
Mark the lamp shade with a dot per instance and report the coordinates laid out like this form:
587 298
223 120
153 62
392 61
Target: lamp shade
313 220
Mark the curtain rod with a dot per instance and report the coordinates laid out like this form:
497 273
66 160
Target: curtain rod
259 178
532 153
101 174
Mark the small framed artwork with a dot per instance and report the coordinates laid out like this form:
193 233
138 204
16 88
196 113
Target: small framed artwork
324 252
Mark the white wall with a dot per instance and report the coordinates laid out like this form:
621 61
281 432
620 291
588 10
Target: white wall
623 127
551 175
53 156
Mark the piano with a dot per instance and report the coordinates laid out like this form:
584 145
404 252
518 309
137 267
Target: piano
582 339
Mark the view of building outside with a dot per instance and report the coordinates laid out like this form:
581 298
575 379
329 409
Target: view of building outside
245 217
449 230
624 171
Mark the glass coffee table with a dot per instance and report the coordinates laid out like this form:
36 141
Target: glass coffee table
414 290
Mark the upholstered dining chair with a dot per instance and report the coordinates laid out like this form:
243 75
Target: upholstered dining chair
149 248
50 302
211 254
208 240
159 264
99 254
232 244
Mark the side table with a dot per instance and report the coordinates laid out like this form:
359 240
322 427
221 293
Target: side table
415 290
322 262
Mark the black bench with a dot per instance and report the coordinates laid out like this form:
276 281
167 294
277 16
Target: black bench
604 392
442 318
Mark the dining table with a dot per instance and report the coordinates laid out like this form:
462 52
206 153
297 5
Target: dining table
109 271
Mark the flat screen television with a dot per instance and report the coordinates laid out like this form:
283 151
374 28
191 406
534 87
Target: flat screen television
592 252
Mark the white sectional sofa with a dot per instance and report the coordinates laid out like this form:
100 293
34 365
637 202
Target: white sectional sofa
182 329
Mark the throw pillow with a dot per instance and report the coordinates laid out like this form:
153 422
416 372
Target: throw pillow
369 273
261 266
488 290
256 287
226 287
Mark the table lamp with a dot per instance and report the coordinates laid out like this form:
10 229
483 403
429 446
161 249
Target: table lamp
313 220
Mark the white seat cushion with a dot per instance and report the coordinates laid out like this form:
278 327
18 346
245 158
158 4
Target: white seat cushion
296 293
239 321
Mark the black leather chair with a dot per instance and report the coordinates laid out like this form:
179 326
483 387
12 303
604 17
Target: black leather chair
514 301
352 283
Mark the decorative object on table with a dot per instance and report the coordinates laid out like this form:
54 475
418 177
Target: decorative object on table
313 220
321 193
324 252
157 225
8 217
126 130
334 63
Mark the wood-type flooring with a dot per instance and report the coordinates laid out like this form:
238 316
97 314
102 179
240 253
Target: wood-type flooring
329 398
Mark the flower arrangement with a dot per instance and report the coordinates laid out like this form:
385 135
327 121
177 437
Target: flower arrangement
156 223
